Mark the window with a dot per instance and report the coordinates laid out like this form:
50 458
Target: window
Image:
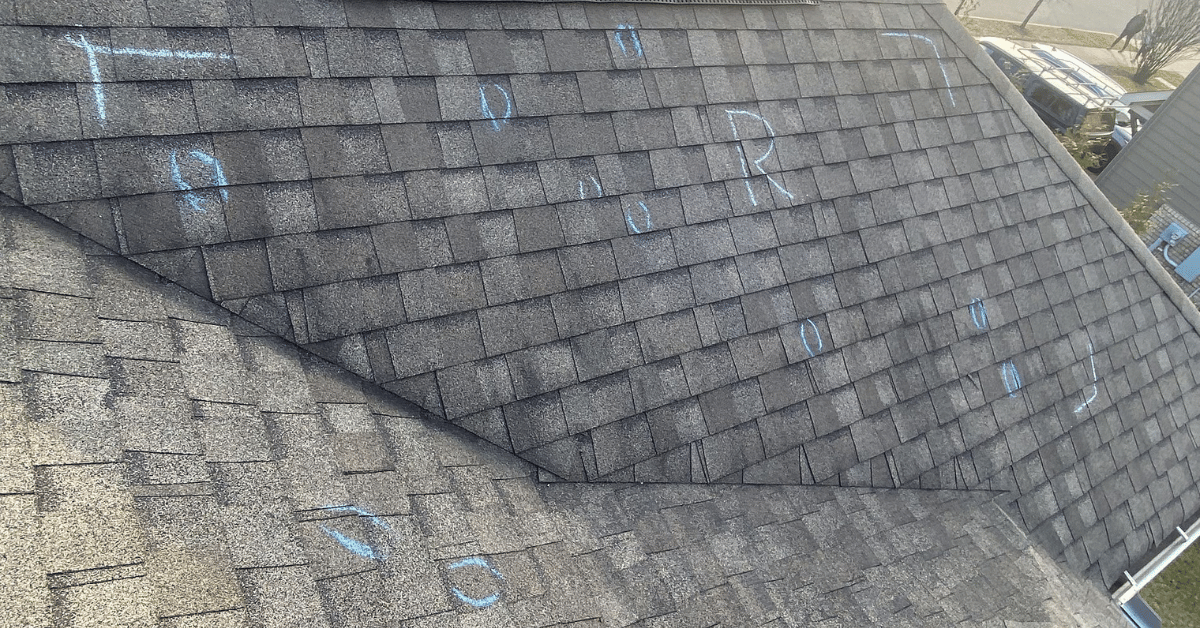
1054 104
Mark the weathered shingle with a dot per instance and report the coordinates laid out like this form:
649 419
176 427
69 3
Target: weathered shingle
792 244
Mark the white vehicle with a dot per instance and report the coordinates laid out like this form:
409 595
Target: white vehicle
1065 90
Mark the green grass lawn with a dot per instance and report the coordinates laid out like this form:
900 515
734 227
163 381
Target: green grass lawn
1053 35
1123 74
1175 593
1035 32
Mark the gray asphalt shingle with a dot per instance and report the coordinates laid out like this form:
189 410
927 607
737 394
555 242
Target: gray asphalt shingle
784 244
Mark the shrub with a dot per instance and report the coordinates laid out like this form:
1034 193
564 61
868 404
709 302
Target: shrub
1138 212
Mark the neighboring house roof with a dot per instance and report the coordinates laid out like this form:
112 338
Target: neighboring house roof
1144 104
791 245
1163 150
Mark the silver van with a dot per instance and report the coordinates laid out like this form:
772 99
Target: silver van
1063 89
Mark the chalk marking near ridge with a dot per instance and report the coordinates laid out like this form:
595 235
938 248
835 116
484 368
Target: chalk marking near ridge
937 53
645 213
979 314
218 177
1095 383
357 547
808 322
91 50
1012 378
745 162
486 107
477 602
595 184
626 31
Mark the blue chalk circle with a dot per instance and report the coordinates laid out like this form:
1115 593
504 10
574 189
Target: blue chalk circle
626 32
1095 381
816 332
477 602
595 185
91 50
978 313
195 201
486 106
1012 378
937 53
757 163
355 546
645 216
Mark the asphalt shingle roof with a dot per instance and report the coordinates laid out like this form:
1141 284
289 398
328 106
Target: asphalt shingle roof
166 463
791 245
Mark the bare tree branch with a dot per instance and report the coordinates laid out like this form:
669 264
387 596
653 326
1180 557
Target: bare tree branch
1172 31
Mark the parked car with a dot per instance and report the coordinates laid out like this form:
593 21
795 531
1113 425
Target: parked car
1065 91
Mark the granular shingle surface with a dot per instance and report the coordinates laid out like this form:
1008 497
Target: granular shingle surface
169 463
820 245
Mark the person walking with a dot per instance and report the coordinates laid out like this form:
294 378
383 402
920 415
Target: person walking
1133 27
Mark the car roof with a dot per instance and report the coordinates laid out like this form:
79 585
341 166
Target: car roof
1073 76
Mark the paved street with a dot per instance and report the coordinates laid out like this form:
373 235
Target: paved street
1106 16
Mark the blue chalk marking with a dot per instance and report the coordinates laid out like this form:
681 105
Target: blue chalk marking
218 171
177 177
645 214
937 53
808 322
486 107
595 184
745 163
166 54
358 547
218 177
477 602
1095 382
978 313
355 546
626 31
94 67
1012 378
746 175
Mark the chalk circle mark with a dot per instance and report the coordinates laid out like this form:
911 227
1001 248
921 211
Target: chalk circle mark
649 224
1012 377
757 163
627 32
196 201
486 107
353 545
816 333
477 602
595 185
979 314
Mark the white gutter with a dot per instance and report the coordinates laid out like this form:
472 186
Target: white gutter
1144 575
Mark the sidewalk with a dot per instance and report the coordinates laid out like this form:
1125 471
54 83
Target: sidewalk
1102 56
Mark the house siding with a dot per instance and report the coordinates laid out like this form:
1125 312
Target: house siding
1164 150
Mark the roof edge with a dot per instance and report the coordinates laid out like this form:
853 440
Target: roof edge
1044 136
